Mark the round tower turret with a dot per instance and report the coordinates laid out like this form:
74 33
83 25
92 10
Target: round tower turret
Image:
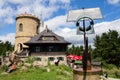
27 26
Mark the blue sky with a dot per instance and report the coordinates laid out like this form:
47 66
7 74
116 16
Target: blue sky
54 13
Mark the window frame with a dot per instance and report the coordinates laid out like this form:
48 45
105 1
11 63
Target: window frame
51 58
60 58
37 49
20 27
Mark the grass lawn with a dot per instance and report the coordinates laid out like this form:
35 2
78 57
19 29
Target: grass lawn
56 73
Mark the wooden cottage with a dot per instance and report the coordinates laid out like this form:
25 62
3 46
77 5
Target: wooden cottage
47 46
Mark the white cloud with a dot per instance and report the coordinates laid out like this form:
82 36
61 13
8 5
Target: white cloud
105 26
18 1
113 1
9 20
59 1
9 37
9 9
6 15
70 33
57 22
1 3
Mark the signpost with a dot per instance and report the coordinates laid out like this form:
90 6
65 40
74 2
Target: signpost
84 23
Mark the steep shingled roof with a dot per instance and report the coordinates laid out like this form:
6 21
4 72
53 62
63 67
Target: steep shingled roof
50 38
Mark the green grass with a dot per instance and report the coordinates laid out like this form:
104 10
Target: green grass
40 74
113 73
56 73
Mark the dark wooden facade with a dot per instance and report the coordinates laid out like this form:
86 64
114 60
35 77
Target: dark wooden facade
47 44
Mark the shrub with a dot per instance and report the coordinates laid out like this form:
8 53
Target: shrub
117 74
98 59
65 68
65 73
4 68
30 60
48 63
108 66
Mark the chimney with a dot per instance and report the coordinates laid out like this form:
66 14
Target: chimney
46 28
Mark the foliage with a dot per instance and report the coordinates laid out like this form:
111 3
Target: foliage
38 74
73 50
48 63
78 50
108 66
5 47
113 73
107 47
30 60
4 68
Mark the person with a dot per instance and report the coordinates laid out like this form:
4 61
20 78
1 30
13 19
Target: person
73 61
106 74
68 62
56 61
12 68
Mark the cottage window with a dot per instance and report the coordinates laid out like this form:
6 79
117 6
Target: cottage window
21 27
60 58
51 48
38 59
48 38
37 49
51 58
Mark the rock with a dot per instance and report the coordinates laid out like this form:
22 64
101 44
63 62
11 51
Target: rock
37 64
23 68
67 73
4 73
27 64
7 63
48 69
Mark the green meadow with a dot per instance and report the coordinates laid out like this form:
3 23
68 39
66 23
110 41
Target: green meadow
35 73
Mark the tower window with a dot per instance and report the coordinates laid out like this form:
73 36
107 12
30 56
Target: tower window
37 29
21 27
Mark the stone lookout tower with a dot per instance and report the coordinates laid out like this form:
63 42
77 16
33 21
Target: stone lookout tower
27 26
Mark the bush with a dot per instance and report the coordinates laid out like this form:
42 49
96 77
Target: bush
65 73
98 59
30 60
65 68
117 74
113 73
108 66
4 68
48 63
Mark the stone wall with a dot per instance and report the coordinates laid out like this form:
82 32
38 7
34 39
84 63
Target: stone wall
31 26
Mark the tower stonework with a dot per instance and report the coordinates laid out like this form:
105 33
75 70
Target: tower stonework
27 26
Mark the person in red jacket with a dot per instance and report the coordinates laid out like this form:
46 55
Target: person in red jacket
12 68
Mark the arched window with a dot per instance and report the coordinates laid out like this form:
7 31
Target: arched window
21 27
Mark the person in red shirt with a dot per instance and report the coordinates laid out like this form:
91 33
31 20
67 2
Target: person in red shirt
12 68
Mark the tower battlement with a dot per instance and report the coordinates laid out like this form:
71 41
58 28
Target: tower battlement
26 15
